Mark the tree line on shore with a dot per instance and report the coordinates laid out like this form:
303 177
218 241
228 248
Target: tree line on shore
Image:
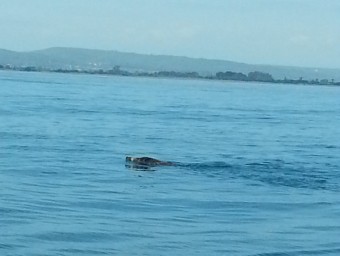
254 76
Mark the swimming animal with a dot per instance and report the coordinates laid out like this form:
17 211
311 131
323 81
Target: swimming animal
147 161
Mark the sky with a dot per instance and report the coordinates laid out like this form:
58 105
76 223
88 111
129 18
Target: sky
277 32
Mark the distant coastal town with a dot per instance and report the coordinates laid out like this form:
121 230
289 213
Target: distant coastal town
254 76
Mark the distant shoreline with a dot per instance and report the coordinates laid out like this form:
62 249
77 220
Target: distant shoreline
254 76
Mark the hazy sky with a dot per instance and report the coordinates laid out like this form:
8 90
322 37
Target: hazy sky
284 32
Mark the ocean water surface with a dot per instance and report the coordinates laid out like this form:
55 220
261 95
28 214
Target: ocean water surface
259 171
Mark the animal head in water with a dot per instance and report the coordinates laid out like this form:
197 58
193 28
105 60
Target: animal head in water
129 159
146 161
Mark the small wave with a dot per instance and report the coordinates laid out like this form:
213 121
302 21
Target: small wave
271 172
72 251
206 165
288 174
79 237
31 81
335 251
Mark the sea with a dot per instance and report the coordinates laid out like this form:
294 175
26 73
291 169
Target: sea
257 173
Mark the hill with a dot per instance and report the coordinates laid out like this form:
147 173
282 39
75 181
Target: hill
75 58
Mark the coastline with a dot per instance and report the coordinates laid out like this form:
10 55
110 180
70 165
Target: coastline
254 76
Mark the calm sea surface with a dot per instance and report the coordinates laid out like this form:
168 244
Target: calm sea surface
259 169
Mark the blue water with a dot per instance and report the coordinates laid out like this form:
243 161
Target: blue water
259 172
